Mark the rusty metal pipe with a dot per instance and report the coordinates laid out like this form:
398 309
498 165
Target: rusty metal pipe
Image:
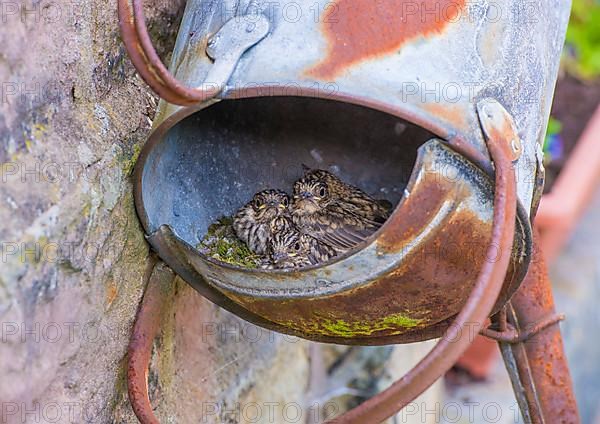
478 306
145 329
542 356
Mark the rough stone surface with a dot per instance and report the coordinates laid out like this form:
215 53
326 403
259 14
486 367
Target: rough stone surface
73 115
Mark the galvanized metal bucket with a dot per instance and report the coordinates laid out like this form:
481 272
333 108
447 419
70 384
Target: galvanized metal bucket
360 102
406 100
414 274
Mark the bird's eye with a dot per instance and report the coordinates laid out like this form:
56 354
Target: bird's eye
322 192
297 247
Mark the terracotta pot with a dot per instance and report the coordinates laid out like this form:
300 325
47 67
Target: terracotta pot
560 209
480 357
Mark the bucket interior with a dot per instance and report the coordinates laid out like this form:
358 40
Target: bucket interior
211 163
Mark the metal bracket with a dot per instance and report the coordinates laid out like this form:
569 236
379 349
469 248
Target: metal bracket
227 46
494 119
511 335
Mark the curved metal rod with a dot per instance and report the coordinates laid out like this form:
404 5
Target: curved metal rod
478 307
512 335
145 329
147 62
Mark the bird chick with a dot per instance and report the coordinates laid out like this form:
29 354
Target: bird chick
292 249
256 222
334 212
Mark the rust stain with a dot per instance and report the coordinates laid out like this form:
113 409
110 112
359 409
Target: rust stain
449 113
357 30
111 293
417 211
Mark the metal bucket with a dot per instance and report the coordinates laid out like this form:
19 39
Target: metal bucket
376 107
414 273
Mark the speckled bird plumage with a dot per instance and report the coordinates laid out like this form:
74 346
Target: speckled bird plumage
292 249
334 212
257 221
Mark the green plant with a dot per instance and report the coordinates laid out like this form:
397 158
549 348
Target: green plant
220 243
582 52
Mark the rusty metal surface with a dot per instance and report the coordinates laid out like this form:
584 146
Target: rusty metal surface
481 300
400 285
146 327
146 60
391 25
511 335
541 359
426 270
426 257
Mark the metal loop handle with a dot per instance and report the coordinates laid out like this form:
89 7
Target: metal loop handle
481 300
148 64
225 47
145 329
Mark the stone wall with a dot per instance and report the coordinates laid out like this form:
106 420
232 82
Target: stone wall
73 115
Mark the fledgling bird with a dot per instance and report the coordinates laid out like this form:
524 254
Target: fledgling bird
292 249
257 221
282 223
334 212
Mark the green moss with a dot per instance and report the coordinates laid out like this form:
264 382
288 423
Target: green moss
87 208
394 323
129 164
221 243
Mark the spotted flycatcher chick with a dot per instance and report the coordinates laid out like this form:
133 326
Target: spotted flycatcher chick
292 249
256 222
334 212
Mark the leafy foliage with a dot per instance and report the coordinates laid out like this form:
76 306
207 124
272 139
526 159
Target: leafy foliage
582 51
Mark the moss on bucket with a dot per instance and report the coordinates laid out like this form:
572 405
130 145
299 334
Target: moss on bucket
344 328
221 243
395 324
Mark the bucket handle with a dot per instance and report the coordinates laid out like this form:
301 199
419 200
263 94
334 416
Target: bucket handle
500 136
500 139
225 47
